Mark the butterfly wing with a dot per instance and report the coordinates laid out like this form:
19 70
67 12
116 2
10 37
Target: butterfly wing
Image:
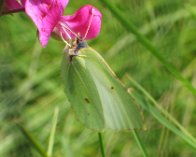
98 98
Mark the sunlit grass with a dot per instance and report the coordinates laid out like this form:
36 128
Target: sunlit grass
31 84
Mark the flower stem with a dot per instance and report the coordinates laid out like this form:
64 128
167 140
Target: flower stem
101 144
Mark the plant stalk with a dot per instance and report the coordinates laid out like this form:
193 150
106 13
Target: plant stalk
101 144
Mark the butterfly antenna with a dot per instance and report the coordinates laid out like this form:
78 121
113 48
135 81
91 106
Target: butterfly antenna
90 23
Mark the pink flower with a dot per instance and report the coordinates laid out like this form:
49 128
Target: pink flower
86 22
45 14
48 17
14 5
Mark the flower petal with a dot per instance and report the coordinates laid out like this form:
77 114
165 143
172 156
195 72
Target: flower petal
64 3
86 22
14 5
45 14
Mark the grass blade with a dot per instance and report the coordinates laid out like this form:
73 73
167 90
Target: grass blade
101 144
52 133
34 142
140 143
146 43
161 115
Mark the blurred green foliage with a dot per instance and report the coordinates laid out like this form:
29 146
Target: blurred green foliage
31 84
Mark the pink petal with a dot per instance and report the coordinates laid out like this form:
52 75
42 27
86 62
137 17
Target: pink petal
86 22
45 14
14 5
64 3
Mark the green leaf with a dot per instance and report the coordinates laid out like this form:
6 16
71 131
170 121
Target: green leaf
96 95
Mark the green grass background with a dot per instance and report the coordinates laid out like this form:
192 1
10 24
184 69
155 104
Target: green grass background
31 85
